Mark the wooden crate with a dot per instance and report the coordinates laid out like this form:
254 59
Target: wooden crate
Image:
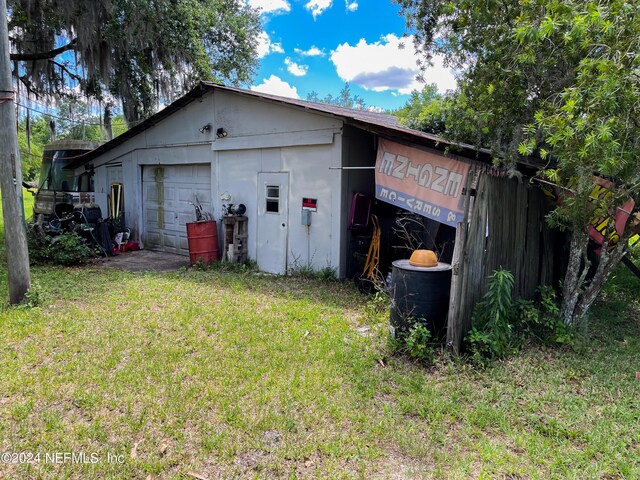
235 238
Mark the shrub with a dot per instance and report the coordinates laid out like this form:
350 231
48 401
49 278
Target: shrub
66 249
501 325
70 249
541 320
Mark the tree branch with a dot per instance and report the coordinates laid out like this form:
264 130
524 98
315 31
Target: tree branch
66 70
45 55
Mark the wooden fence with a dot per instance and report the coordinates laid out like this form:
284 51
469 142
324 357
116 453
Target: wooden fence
506 229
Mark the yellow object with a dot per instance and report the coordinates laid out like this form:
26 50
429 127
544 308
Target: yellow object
423 258
373 257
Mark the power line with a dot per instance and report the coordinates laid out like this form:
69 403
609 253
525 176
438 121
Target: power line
24 152
28 100
66 119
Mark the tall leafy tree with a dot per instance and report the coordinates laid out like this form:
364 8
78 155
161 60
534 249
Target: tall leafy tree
140 51
424 110
344 99
558 79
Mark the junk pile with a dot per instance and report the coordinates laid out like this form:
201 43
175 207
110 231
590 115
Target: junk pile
107 237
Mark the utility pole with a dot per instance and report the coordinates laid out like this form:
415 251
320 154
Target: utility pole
15 232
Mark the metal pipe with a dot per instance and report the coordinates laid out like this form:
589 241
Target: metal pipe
353 168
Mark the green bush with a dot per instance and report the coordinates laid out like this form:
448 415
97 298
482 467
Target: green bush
66 249
541 320
501 325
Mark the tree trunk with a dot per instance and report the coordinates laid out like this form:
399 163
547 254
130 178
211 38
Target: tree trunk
608 261
575 275
15 232
578 296
107 122
131 112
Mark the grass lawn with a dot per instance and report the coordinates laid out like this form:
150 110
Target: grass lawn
219 375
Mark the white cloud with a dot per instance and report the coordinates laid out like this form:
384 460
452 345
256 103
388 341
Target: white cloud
266 46
388 65
296 69
270 6
312 52
352 6
275 86
317 7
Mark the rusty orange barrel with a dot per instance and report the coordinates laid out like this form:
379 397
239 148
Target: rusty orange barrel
203 242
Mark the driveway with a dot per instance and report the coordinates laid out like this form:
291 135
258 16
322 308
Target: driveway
146 261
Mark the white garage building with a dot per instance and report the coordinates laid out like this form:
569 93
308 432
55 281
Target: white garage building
263 151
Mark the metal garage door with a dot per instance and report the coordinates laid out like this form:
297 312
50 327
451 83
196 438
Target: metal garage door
168 191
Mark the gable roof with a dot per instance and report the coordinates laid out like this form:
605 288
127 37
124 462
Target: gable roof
375 122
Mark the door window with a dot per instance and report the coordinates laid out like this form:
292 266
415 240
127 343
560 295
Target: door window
272 199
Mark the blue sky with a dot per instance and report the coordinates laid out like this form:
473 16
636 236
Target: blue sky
318 45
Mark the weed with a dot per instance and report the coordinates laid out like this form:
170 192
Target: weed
34 296
492 335
541 320
501 325
307 270
248 266
418 343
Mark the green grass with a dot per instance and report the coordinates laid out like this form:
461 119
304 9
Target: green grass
238 375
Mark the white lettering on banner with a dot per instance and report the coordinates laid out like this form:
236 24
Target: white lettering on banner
427 183
386 165
439 180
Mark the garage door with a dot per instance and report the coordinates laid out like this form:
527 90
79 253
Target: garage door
168 192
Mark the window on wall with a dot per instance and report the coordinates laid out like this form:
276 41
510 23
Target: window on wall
272 199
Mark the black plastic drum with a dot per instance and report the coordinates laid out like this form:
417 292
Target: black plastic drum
420 294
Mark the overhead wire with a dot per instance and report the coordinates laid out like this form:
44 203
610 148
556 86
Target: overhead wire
28 100
67 119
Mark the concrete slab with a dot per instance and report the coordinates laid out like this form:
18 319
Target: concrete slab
146 261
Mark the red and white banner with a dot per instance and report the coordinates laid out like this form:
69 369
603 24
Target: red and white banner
422 182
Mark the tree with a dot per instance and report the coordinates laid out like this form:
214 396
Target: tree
30 152
78 121
141 52
344 99
425 110
74 119
558 79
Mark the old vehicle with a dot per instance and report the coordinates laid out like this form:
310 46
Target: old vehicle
60 190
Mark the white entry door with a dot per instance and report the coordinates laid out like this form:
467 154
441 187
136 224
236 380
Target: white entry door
271 236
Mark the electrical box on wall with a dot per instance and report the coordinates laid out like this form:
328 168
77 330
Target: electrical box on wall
306 217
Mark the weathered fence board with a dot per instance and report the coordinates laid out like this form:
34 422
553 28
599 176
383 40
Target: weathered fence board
506 230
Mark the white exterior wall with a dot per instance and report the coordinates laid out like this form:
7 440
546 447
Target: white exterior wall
262 136
175 140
